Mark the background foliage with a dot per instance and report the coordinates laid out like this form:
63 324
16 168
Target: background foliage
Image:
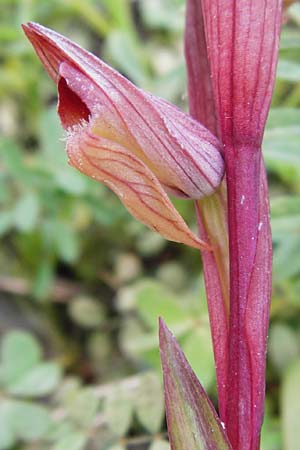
82 284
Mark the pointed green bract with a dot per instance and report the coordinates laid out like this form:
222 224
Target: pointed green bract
192 421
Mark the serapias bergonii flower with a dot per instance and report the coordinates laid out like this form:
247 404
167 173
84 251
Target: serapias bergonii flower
138 145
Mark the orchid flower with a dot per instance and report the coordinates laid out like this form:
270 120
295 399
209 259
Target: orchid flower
138 145
144 148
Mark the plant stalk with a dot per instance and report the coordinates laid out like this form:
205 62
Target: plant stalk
243 167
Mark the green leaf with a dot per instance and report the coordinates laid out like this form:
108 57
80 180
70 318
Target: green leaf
86 312
21 370
137 343
38 381
100 348
29 421
74 441
82 406
148 402
197 348
149 243
290 407
153 299
66 241
192 421
11 155
26 212
173 275
70 181
20 351
7 436
118 410
43 279
60 430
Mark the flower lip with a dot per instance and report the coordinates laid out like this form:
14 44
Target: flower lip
79 97
71 108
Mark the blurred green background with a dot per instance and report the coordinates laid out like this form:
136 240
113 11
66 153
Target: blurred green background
82 283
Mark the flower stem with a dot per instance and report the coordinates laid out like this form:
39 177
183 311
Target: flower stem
243 178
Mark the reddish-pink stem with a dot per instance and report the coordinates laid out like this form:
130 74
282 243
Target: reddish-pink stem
243 177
